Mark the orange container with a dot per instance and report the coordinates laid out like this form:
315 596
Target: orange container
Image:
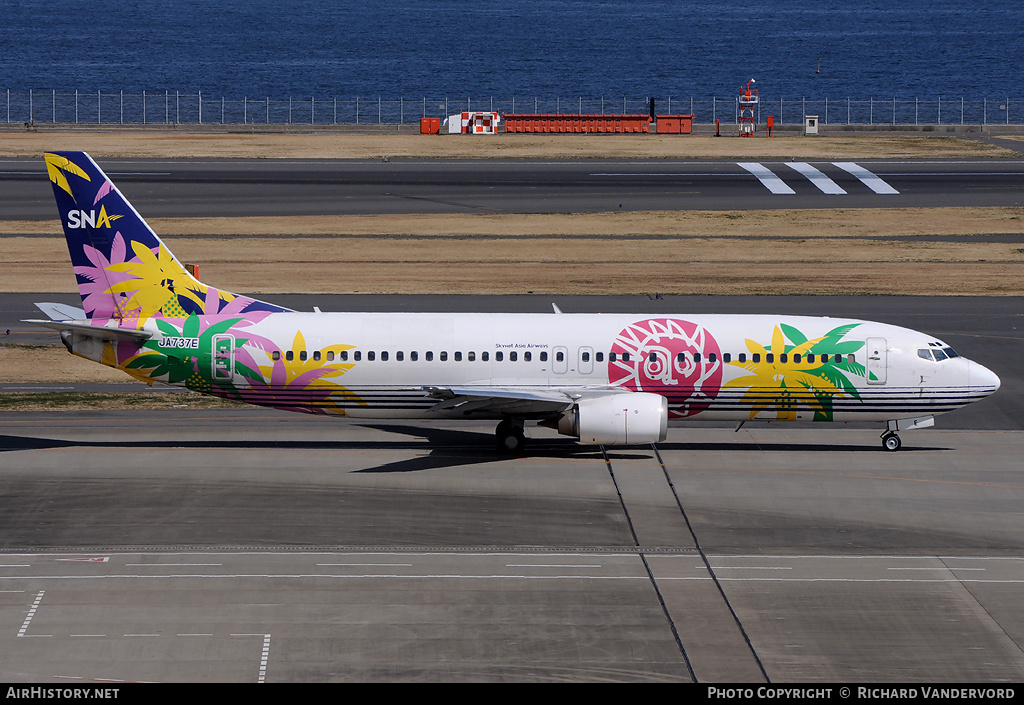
430 126
675 124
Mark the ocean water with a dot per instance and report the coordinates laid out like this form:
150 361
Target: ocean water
546 48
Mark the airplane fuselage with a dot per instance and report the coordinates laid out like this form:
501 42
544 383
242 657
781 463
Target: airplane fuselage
714 367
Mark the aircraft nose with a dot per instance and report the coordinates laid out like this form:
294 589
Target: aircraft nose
982 377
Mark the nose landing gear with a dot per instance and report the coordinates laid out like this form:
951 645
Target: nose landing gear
890 441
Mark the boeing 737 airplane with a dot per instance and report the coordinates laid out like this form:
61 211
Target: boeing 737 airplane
603 379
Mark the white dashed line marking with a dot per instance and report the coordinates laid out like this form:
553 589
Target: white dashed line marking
31 613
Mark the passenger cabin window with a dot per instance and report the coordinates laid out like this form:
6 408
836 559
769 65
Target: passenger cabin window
302 355
371 356
726 357
499 356
559 356
625 357
276 355
413 356
485 356
543 357
444 356
289 356
598 356
513 356
527 356
430 355
653 357
712 357
399 356
330 356
358 355
471 356
458 356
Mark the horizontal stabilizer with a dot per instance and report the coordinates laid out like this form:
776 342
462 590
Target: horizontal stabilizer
62 312
88 329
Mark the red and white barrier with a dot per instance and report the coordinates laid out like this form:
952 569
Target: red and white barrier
473 122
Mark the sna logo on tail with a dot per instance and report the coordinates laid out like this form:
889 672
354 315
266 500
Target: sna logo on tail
90 219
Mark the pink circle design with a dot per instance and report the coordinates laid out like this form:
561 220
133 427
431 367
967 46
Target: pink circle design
688 384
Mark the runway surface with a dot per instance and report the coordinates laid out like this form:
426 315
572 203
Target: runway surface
249 545
215 187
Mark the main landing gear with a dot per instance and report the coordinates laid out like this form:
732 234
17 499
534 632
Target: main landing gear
509 436
890 441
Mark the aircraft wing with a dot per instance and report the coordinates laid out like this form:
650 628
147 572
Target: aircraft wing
517 401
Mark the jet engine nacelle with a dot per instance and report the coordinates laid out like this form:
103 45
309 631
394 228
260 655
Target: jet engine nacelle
617 419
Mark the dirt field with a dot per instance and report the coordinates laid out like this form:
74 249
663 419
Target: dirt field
333 145
855 251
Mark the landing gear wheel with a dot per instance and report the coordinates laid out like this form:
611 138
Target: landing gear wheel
509 438
890 441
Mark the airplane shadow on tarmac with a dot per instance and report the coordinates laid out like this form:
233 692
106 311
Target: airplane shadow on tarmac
445 447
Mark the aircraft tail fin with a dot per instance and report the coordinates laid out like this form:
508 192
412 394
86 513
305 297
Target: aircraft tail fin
123 269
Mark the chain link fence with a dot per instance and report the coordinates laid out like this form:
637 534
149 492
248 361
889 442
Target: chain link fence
173 107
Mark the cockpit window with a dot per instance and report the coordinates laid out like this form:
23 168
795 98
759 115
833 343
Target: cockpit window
937 354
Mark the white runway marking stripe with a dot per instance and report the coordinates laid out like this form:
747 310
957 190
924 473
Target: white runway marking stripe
31 613
824 184
867 178
765 175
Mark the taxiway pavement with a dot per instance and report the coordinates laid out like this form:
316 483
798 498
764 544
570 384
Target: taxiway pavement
251 545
